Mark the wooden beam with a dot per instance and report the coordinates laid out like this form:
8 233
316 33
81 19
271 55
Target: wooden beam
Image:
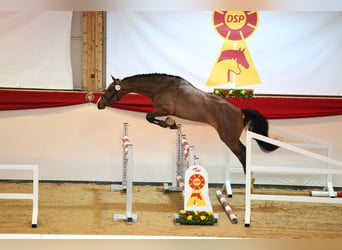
93 33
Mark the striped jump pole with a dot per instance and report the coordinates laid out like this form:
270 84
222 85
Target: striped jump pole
189 157
125 143
227 208
180 182
184 158
127 179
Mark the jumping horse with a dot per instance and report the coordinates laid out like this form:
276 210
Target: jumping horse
173 95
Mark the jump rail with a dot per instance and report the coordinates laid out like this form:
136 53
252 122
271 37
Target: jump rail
23 196
307 142
328 170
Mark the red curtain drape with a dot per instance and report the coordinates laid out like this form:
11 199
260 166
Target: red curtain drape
271 107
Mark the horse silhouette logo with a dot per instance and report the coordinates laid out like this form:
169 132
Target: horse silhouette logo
232 59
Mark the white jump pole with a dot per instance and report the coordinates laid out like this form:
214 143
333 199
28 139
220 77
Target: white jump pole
23 196
327 170
305 142
325 194
228 184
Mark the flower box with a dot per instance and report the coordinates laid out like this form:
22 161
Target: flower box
235 93
196 218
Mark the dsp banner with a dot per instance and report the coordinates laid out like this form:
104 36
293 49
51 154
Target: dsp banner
234 63
292 53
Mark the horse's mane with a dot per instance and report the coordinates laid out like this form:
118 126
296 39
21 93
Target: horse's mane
150 75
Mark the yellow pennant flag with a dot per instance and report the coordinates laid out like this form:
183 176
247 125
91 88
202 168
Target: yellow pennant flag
234 63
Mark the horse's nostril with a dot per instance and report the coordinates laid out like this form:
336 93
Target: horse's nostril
100 105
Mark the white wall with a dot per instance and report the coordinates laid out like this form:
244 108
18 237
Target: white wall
82 143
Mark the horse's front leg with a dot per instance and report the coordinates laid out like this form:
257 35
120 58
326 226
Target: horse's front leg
151 118
168 122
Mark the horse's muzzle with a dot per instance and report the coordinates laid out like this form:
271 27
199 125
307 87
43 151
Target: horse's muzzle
100 103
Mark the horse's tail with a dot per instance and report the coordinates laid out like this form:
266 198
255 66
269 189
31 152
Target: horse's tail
257 123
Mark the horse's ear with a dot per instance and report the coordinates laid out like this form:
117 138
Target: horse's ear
115 80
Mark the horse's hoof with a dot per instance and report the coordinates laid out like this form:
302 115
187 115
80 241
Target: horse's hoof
169 121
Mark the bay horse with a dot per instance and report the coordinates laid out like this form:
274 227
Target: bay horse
173 95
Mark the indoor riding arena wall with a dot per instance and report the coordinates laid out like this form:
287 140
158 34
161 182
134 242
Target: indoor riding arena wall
81 143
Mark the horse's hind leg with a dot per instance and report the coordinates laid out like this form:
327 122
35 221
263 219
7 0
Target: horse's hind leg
230 134
239 150
232 141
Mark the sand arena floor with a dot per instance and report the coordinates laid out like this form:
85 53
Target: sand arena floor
69 208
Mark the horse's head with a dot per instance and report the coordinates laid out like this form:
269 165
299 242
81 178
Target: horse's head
111 95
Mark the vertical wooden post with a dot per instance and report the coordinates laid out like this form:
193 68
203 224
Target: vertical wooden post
93 33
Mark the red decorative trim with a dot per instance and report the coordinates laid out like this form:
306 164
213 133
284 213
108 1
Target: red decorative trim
271 107
31 99
291 107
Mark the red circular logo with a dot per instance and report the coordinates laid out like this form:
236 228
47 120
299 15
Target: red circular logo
235 25
196 181
90 97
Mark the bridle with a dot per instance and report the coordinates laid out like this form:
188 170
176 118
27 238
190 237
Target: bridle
106 98
117 87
